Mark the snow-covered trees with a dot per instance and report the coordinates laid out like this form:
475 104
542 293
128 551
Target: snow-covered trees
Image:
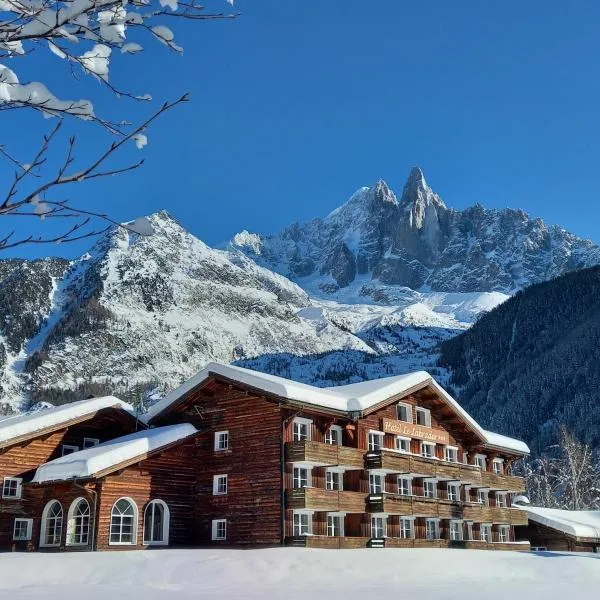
564 477
86 35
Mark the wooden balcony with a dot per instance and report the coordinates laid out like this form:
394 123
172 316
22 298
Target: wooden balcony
324 455
388 461
399 505
325 500
510 483
494 514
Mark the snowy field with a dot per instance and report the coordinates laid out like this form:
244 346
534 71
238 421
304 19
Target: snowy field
295 573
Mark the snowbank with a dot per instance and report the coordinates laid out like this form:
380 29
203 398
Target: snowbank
579 523
298 574
87 463
40 420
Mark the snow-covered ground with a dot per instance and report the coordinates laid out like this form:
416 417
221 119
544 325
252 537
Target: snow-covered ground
297 573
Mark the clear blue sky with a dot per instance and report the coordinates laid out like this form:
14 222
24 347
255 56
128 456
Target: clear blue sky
298 103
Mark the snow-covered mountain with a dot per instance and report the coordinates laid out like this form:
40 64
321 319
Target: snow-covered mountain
376 243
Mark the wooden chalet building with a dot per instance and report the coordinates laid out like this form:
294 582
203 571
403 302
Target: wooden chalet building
235 457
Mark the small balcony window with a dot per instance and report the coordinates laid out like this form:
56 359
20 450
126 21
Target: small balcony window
302 523
451 454
335 525
427 450
453 492
376 440
378 527
498 466
301 477
301 429
376 483
432 529
456 533
334 435
403 444
404 486
429 488
334 480
406 529
486 533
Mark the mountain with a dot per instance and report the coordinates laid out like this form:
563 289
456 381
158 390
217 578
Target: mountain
376 244
543 367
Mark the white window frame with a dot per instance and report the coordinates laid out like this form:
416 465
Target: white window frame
302 513
301 422
504 532
430 445
18 490
455 487
483 528
501 501
398 443
374 478
456 531
371 437
469 536
465 457
330 477
133 541
300 467
90 443
215 536
436 529
218 435
467 493
379 517
481 461
486 497
166 523
28 530
216 484
70 447
427 416
329 439
44 523
408 480
72 524
498 463
430 482
409 412
331 529
449 452
411 528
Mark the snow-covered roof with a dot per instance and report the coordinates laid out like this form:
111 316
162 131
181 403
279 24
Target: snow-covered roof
579 523
29 424
344 398
87 463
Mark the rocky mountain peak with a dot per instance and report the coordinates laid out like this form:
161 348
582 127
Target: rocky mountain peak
383 193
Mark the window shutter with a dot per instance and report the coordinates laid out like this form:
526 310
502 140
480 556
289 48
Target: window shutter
19 487
29 528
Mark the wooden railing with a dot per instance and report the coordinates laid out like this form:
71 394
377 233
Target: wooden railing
325 500
324 454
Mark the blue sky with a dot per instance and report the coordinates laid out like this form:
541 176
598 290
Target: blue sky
296 104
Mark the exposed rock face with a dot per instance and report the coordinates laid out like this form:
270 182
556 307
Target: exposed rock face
420 243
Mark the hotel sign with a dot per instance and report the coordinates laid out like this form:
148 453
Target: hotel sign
410 430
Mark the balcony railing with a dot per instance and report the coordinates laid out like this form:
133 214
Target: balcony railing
325 500
324 455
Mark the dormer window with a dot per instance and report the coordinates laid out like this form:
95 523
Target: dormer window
423 417
334 435
301 429
404 412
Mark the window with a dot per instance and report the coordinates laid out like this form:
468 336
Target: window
429 486
497 466
335 525
334 435
78 523
456 531
334 480
453 492
156 524
221 441
427 449
482 497
423 417
52 518
451 454
405 413
376 483
12 487
480 461
501 499
219 529
432 527
404 486
301 477
504 534
406 528
219 485
538 548
465 456
467 493
403 444
486 533
469 534
90 442
22 530
378 527
301 429
123 522
66 449
376 440
302 523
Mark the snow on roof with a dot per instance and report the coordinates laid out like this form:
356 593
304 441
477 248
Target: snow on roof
345 398
579 523
47 418
87 463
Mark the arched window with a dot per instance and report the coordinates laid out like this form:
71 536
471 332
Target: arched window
156 524
123 522
52 520
78 523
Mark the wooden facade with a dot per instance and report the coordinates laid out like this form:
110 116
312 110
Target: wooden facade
543 537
